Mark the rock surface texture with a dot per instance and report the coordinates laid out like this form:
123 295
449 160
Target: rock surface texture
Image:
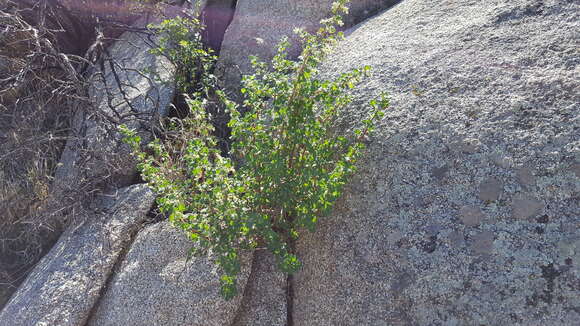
265 295
258 26
67 282
467 209
157 285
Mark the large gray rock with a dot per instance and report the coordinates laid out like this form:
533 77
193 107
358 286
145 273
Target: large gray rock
157 285
441 226
258 26
68 281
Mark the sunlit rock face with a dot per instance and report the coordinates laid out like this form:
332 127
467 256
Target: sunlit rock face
466 209
68 281
158 284
259 25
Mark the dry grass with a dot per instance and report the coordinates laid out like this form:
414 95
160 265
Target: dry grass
35 93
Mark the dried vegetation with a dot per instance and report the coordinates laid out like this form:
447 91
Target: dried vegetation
48 51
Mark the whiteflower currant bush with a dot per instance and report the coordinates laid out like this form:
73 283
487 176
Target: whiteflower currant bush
286 167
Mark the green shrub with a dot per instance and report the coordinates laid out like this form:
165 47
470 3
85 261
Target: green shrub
286 167
181 42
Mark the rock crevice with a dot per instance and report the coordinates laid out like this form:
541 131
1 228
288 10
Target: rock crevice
217 16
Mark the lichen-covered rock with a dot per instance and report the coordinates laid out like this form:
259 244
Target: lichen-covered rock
64 286
156 284
471 215
466 210
258 26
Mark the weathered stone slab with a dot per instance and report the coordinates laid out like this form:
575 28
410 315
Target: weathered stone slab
68 281
157 285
